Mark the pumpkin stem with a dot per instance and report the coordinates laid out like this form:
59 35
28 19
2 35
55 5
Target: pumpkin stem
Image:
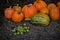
19 12
17 4
37 0
10 6
29 5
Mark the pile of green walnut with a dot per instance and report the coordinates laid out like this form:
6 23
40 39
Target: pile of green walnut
19 30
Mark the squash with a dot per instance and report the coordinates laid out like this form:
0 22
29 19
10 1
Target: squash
40 19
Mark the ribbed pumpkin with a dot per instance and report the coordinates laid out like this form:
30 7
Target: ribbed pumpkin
8 12
58 5
44 10
17 16
29 10
40 4
17 7
51 5
54 13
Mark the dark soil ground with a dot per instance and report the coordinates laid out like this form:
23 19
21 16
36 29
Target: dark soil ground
51 32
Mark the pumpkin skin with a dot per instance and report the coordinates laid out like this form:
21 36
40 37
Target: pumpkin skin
17 8
17 16
58 5
29 10
40 0
44 10
54 13
8 13
40 4
51 5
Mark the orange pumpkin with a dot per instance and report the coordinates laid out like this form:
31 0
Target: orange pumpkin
29 10
39 0
58 5
40 4
51 5
54 13
44 10
17 16
8 12
16 8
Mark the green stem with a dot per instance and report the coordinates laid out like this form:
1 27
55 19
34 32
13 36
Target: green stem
28 19
19 12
